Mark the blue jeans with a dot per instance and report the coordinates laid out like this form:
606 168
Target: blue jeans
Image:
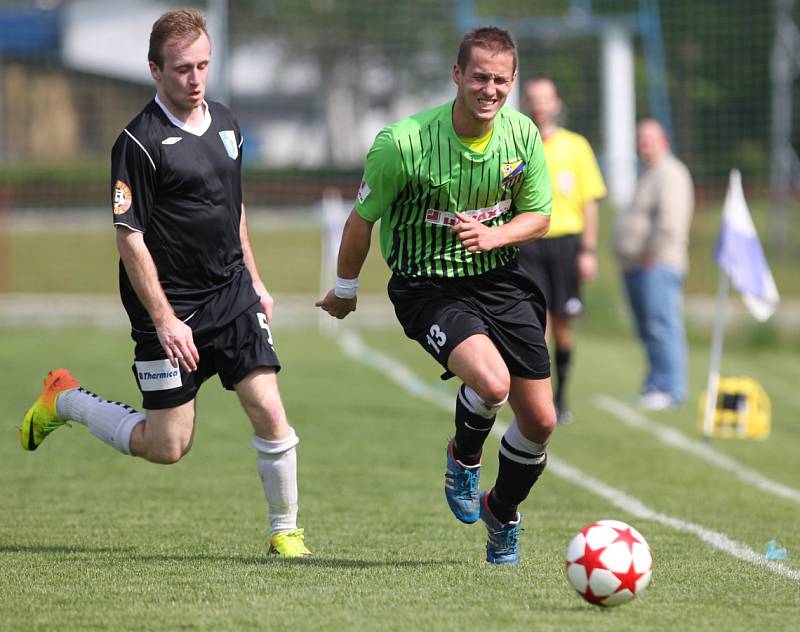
655 296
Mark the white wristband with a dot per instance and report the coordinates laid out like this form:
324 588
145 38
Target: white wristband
345 288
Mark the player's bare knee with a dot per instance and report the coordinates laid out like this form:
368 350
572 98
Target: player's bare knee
165 455
537 422
493 388
545 421
167 452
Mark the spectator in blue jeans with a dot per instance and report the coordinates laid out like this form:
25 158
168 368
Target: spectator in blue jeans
651 240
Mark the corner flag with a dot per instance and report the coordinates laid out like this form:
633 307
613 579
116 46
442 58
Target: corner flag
740 256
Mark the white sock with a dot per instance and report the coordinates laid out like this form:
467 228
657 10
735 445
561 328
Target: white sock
473 403
517 447
277 466
111 422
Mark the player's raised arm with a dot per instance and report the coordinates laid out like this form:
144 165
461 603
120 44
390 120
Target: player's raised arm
356 237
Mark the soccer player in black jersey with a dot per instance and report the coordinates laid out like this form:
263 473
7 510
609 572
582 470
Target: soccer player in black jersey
457 188
189 283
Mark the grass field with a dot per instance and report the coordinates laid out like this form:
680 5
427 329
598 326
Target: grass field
91 539
288 252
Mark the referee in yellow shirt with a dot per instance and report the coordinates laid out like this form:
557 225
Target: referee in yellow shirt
567 255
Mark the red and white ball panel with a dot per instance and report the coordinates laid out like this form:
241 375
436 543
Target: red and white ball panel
608 562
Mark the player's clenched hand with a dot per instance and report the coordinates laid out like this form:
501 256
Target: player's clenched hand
475 236
337 307
266 299
176 338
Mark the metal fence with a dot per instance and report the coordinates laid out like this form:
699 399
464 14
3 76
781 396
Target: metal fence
312 81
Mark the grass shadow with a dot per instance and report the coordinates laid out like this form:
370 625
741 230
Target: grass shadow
129 554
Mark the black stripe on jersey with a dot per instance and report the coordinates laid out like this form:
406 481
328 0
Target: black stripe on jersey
434 231
393 218
394 253
471 265
528 130
415 253
447 233
421 227
462 269
493 194
515 132
403 212
412 231
480 261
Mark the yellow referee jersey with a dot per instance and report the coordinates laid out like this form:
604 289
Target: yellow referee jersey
575 179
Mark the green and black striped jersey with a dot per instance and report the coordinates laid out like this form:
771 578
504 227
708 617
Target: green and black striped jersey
418 173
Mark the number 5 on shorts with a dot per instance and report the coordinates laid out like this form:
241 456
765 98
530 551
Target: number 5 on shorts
262 320
436 338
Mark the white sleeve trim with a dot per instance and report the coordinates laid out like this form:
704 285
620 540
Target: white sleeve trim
129 227
136 140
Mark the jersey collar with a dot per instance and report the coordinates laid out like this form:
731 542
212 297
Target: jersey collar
474 156
197 130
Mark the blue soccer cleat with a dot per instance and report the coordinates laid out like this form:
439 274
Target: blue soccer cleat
502 545
461 488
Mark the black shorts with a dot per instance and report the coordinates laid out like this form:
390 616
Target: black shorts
504 304
232 351
553 265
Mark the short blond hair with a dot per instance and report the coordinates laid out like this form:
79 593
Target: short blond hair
182 24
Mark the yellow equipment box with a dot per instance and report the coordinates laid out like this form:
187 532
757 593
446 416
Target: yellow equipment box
743 409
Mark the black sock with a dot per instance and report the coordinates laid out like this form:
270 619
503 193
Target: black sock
514 483
563 369
505 512
471 432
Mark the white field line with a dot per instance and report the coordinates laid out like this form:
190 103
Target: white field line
354 347
675 439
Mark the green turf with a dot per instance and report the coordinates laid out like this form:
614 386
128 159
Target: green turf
86 262
288 257
90 539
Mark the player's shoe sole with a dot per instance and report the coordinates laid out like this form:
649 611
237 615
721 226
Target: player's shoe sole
502 544
461 488
42 418
289 544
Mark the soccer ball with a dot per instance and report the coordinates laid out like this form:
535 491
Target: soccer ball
609 563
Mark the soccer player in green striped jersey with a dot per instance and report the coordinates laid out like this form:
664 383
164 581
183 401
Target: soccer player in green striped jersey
457 189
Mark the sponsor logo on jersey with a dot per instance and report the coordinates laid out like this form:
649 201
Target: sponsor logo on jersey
171 140
445 218
512 173
229 140
157 375
122 198
363 191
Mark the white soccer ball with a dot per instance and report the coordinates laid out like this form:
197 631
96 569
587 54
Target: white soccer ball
609 563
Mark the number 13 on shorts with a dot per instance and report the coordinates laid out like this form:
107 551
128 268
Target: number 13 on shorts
436 338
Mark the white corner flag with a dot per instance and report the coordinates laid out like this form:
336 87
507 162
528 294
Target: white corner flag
740 256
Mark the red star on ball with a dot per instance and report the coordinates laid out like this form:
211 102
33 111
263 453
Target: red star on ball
626 535
628 579
591 558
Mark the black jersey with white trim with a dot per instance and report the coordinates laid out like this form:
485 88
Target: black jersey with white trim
181 188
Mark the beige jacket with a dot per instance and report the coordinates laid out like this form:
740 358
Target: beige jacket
656 225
